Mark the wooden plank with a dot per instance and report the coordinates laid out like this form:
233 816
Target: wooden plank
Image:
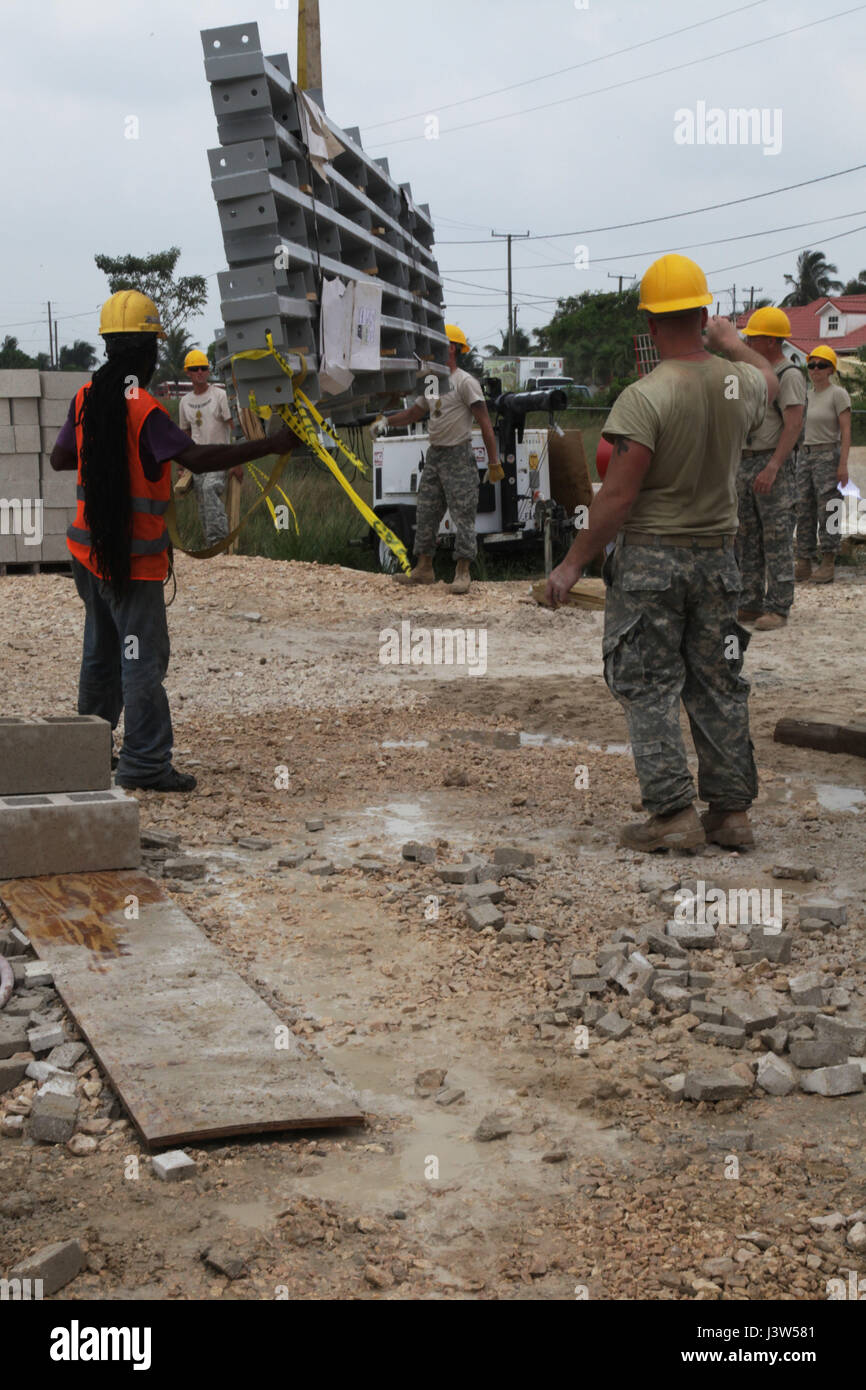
188 1046
828 738
587 593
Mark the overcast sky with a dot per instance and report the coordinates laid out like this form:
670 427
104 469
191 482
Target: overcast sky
598 154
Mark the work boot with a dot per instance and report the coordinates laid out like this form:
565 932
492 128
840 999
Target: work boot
421 574
729 828
802 570
826 571
682 830
749 615
461 578
170 781
770 622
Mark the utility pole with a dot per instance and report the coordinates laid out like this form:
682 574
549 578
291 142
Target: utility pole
50 337
57 341
752 289
510 236
616 276
310 49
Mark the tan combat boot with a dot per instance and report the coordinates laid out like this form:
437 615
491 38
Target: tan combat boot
748 615
826 571
682 830
770 622
730 828
421 574
802 570
461 578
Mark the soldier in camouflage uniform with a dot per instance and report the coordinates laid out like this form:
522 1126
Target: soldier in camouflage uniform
449 477
822 466
766 484
670 632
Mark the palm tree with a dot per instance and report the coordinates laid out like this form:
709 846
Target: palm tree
80 355
175 348
857 285
812 280
522 345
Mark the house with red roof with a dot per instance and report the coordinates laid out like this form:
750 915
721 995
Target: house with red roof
838 320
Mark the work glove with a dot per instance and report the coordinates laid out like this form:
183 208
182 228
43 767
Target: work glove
378 427
495 473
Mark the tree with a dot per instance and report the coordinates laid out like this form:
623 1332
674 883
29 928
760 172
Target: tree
177 299
813 280
80 356
12 356
175 348
857 285
522 345
595 333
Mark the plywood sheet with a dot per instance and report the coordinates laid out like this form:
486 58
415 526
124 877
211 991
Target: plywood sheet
189 1047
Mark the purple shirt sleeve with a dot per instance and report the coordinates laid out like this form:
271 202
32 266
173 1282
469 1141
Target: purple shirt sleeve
66 437
160 441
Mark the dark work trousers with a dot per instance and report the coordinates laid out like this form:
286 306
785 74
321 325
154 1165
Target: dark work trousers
123 666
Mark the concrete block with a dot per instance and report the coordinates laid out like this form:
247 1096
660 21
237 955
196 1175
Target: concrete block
715 1085
484 914
694 936
776 1039
68 832
192 869
47 438
844 1080
674 1086
8 553
37 975
742 1011
25 410
7 439
804 873
11 1073
12 1127
707 1011
19 382
612 1025
671 995
584 968
721 1036
45 1038
774 946
53 550
457 873
63 1084
572 1005
27 439
806 988
43 1071
56 1265
820 1052
57 489
53 1118
62 753
13 1034
477 892
634 976
59 386
418 854
56 519
851 1030
65 1055
173 1166
826 909
19 475
511 935
5 412
49 412
514 857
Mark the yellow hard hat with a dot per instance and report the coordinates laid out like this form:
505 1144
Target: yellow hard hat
130 311
195 358
456 335
672 283
768 322
827 353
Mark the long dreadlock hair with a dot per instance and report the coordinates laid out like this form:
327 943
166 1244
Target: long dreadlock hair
104 471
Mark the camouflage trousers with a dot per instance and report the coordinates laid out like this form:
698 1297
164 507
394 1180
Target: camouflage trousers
765 540
449 482
816 489
671 635
209 491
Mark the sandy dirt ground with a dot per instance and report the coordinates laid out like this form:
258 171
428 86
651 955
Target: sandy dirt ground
600 1184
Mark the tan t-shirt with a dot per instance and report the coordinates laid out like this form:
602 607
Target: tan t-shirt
694 416
792 391
822 414
451 419
206 416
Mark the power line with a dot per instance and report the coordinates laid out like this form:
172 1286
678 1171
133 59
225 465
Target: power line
674 216
630 81
660 250
558 72
790 251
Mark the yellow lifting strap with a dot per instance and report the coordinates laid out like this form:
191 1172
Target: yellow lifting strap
306 421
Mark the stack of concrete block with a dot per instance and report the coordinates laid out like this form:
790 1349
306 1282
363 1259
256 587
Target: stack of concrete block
33 406
58 810
289 219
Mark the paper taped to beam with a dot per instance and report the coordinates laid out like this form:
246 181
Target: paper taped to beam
350 328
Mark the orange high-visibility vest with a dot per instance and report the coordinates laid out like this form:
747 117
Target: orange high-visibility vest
148 541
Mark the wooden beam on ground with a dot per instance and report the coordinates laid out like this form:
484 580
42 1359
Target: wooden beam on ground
828 738
191 1050
233 510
